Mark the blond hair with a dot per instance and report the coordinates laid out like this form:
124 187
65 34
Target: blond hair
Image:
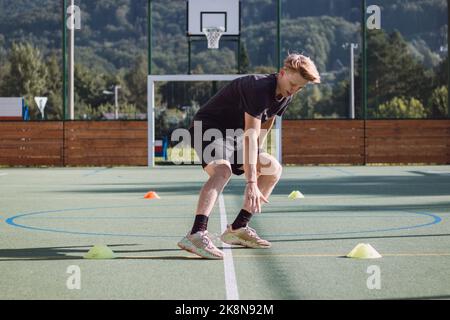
304 65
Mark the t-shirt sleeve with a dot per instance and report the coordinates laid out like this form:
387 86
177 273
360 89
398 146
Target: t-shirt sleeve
253 97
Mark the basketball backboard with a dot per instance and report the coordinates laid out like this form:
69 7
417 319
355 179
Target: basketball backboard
213 13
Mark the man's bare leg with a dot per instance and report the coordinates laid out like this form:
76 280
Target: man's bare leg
219 174
269 173
198 240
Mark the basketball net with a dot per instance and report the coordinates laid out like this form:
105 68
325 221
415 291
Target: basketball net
213 35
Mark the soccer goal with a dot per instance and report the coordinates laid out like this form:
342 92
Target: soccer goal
153 80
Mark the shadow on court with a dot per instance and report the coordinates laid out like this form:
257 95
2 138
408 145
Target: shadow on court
77 253
424 298
388 186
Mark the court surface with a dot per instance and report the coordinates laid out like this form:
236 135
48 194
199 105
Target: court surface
50 217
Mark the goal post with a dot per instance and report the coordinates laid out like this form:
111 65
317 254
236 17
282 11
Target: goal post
154 79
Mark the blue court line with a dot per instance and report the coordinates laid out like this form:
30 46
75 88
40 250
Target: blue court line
11 221
95 172
436 220
263 216
342 171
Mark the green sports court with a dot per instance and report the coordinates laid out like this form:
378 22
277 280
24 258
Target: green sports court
60 213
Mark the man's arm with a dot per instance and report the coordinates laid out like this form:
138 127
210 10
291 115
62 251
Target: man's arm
265 129
252 196
252 131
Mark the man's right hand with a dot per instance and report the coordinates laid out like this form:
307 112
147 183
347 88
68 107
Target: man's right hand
253 198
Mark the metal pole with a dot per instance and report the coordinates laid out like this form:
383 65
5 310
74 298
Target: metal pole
364 65
279 34
151 123
64 59
150 93
352 81
149 36
71 61
116 101
364 74
189 56
239 55
278 122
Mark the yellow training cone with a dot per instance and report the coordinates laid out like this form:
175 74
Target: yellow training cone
100 252
296 195
364 251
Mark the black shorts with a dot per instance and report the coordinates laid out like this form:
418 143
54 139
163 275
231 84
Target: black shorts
232 150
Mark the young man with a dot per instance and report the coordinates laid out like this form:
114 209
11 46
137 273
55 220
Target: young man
250 103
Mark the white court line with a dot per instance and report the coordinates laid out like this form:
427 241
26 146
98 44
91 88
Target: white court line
230 275
3 174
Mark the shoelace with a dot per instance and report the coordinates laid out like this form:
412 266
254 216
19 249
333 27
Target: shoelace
215 238
212 240
251 232
206 240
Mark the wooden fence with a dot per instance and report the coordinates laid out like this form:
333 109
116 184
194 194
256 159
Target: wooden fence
24 143
323 141
107 143
366 142
73 143
406 141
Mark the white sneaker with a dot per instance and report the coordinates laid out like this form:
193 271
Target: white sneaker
200 244
245 236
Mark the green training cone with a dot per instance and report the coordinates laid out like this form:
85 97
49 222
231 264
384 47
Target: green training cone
296 195
100 252
364 251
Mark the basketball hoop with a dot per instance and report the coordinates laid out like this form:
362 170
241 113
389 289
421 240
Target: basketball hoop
213 35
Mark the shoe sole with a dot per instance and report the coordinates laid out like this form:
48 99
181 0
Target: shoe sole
237 241
193 249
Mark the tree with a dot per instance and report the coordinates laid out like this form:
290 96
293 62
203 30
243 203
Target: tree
392 71
244 60
89 87
53 85
400 108
441 78
304 104
136 83
161 122
335 100
26 75
438 103
2 49
4 71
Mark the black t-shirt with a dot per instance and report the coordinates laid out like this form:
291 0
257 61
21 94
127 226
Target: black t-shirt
254 94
